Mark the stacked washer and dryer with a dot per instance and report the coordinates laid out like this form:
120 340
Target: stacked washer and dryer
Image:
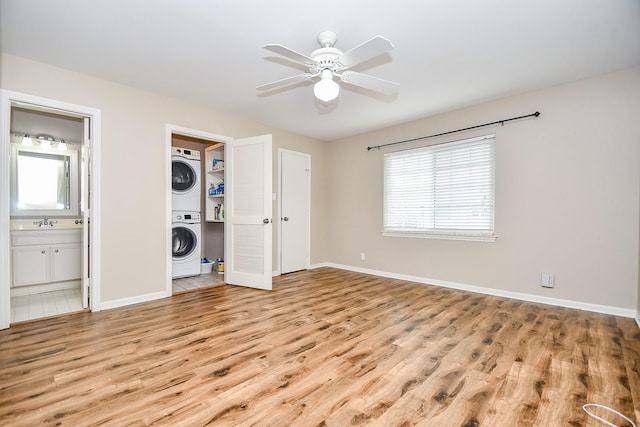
186 229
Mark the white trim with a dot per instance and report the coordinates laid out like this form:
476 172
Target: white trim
123 302
194 133
638 318
427 235
5 179
95 186
616 311
8 98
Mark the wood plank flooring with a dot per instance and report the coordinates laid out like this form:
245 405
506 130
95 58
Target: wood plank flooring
325 348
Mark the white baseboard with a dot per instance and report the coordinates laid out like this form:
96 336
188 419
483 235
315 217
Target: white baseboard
638 318
106 305
616 311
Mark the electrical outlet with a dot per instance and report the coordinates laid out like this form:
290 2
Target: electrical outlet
546 280
363 257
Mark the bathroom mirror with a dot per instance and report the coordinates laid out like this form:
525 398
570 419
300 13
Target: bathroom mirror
44 181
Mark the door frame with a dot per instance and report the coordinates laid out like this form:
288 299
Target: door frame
308 201
171 130
7 98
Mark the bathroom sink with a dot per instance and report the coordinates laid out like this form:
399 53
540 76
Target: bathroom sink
34 224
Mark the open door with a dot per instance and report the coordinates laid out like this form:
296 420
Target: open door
86 209
248 218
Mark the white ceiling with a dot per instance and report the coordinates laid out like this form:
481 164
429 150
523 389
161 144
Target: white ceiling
448 54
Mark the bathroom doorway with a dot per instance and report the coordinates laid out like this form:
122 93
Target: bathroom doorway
50 265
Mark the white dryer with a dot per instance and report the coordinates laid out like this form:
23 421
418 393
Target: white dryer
185 179
186 234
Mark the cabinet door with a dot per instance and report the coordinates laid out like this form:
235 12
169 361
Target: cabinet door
30 265
66 262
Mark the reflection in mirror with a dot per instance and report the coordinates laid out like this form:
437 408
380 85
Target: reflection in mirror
44 181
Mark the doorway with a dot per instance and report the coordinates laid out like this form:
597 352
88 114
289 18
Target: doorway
211 234
246 217
294 176
51 188
206 240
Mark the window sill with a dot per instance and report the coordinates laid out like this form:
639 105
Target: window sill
444 236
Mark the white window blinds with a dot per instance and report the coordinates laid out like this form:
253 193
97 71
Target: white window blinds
445 190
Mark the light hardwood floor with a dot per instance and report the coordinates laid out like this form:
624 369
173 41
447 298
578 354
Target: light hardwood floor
325 348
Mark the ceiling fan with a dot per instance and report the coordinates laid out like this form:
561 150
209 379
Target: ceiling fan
329 62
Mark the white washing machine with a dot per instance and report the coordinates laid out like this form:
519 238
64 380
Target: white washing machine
186 234
185 179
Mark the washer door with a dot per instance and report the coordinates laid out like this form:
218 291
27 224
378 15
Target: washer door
183 176
184 243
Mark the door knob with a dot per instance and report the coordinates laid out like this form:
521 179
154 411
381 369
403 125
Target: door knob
265 221
286 218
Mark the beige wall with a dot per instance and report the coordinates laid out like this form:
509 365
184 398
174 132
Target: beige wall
133 139
567 196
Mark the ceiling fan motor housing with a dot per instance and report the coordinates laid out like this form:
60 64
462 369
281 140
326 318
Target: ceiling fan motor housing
326 58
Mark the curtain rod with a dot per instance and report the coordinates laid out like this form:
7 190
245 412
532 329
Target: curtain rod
502 122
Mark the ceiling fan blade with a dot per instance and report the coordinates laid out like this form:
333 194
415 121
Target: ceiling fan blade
289 53
369 82
287 81
367 50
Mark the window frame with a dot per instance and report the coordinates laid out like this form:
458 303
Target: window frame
429 153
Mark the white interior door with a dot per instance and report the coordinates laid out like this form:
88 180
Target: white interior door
86 209
247 227
295 211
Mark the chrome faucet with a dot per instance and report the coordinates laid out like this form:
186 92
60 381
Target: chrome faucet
45 222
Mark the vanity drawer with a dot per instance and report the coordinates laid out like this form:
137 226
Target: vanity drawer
45 237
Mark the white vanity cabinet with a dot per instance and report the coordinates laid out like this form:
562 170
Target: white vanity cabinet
45 256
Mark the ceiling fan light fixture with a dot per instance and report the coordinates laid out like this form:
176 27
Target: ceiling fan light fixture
326 90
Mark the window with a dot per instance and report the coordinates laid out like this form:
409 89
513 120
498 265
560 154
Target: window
441 191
